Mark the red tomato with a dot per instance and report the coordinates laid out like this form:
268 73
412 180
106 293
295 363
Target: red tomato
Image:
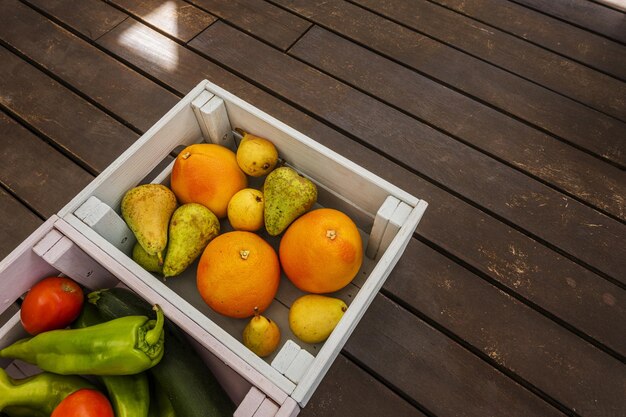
52 303
84 403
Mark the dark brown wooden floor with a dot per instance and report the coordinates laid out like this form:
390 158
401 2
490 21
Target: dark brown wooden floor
508 117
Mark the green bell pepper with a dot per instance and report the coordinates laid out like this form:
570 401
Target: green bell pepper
38 394
123 346
129 394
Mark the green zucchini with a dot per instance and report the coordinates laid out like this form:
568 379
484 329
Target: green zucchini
191 387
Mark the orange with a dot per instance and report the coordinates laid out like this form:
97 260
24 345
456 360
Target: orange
207 174
321 251
238 272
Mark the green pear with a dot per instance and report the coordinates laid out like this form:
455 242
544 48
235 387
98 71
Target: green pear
148 262
147 210
312 317
261 335
287 196
192 227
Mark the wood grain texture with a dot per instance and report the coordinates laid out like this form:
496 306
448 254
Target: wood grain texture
159 56
592 50
349 390
174 17
593 17
512 335
431 368
572 121
91 18
507 256
104 79
258 18
76 126
567 224
444 378
44 179
534 63
17 222
599 184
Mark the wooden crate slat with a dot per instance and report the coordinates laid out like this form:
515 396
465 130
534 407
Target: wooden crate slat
250 403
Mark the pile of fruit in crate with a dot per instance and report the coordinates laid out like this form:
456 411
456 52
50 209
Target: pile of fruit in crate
112 360
238 272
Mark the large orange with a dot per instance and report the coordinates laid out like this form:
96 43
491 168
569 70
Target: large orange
321 251
238 271
207 174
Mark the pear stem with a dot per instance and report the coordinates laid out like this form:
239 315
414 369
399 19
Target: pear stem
256 311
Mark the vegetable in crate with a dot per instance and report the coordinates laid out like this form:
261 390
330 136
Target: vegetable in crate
84 403
52 303
38 394
160 404
129 394
124 346
190 385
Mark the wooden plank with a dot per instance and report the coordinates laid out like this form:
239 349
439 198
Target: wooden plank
159 56
556 284
574 122
102 78
597 183
75 125
250 403
586 14
567 224
104 220
41 176
433 370
534 63
174 17
585 47
511 334
348 390
91 18
258 18
17 222
268 408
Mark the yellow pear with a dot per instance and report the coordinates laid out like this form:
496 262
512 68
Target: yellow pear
313 317
245 210
147 210
256 156
261 335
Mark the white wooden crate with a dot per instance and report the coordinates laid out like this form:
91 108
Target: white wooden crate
56 248
386 216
